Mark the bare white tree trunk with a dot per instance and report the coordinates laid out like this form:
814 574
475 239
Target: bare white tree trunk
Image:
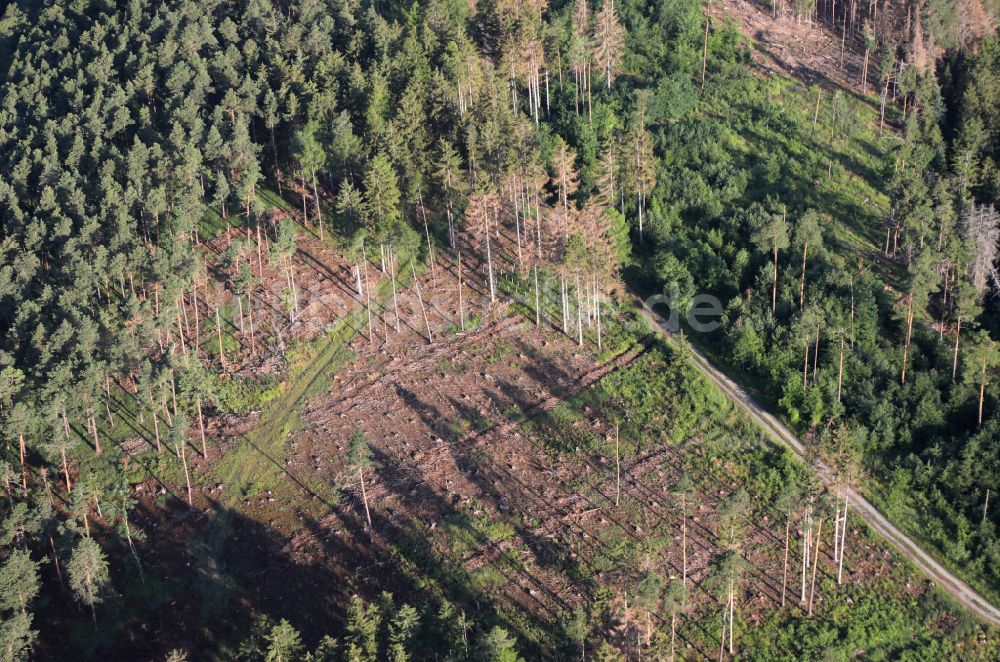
368 302
843 540
579 314
364 498
181 452
461 308
597 309
538 311
618 470
784 573
489 257
420 300
395 300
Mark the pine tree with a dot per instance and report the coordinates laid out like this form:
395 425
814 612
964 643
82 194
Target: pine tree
733 519
609 40
497 646
16 637
580 52
282 250
243 160
643 166
676 602
843 452
609 171
402 628
646 599
361 637
284 644
805 331
565 179
769 234
576 628
809 236
271 121
381 198
19 582
311 158
684 502
449 177
359 458
452 627
122 504
326 650
727 582
787 503
350 208
254 647
481 206
981 360
88 574
966 305
178 439
921 279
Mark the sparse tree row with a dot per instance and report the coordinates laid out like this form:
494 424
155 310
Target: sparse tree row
776 549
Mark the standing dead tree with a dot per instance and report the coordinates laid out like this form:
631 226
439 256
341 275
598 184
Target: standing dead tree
981 230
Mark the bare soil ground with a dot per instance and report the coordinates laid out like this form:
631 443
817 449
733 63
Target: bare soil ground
807 50
461 493
324 284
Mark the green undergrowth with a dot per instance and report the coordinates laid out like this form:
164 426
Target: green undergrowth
662 405
772 138
212 223
258 461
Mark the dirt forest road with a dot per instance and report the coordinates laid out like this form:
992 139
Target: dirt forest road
957 588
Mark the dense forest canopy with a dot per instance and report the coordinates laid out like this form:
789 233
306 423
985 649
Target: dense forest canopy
625 146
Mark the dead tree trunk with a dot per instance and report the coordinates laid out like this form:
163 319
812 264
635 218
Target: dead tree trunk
182 453
201 429
24 467
802 284
909 330
684 537
364 497
784 574
461 308
704 60
843 541
840 369
420 299
812 589
618 469
954 361
218 330
982 393
368 302
395 297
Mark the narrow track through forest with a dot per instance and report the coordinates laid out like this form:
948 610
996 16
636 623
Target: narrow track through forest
906 546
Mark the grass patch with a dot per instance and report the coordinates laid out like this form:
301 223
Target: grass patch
258 461
499 352
473 323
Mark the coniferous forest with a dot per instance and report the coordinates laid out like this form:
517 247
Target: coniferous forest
334 330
